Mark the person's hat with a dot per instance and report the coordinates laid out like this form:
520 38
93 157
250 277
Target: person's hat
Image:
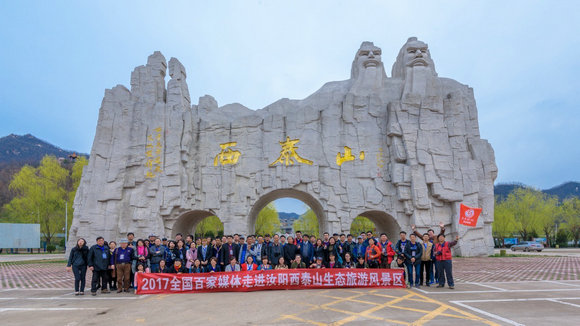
359 237
152 235
318 258
164 239
123 241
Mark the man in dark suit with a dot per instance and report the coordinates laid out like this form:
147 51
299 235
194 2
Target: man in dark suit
204 253
229 249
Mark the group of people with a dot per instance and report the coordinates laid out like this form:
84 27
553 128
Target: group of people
426 257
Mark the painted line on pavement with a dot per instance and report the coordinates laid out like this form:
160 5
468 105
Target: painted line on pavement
43 309
566 303
494 291
488 314
485 285
523 299
562 283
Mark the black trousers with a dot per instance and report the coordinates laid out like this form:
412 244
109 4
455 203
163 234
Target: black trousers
80 273
112 280
426 268
99 278
445 269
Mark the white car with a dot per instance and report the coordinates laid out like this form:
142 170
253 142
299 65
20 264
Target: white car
528 246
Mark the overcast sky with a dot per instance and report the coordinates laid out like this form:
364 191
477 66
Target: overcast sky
521 57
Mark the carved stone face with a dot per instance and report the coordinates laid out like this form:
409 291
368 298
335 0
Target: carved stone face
413 54
367 56
417 54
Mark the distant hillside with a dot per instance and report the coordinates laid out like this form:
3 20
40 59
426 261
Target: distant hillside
27 149
563 191
288 216
17 151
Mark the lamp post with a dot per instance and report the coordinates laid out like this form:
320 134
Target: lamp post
65 224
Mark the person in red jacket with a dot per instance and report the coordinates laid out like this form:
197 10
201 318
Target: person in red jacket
249 264
387 251
443 256
373 254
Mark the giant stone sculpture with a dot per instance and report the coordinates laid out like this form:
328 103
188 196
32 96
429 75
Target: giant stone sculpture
401 150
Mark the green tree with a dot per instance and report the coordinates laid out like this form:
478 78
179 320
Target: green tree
40 196
571 214
268 221
550 211
526 205
307 223
503 222
210 226
362 224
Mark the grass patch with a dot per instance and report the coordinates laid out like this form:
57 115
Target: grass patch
34 262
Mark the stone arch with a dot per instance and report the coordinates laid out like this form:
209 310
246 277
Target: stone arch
305 197
187 221
384 223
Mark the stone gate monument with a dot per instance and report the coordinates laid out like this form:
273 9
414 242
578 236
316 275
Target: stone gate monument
400 150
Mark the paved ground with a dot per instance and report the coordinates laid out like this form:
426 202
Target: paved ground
489 291
29 257
570 252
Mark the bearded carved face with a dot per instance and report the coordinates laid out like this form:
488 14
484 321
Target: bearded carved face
414 54
368 56
417 54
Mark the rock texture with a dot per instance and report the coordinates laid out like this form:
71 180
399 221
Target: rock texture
401 150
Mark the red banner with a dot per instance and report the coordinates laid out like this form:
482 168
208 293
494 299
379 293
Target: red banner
283 279
468 215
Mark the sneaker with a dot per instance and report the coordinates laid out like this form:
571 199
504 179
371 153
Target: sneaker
76 293
81 293
428 285
440 286
119 290
93 293
417 286
104 291
451 287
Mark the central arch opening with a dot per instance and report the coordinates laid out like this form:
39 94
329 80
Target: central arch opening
287 224
198 222
379 222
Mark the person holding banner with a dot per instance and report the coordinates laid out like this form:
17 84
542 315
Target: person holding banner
265 266
249 264
298 263
281 264
443 256
213 266
177 267
233 265
196 267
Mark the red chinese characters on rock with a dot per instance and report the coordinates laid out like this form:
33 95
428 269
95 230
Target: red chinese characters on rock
291 279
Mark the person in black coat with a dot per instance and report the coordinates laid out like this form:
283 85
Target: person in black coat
213 266
228 250
77 262
204 253
177 267
98 262
290 251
